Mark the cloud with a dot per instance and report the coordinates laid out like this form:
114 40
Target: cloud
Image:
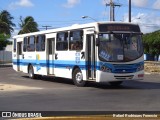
140 3
21 3
71 3
146 21
156 5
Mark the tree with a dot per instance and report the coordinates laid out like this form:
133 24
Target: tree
6 24
4 40
152 43
28 25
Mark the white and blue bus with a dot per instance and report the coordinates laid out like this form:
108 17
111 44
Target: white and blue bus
101 51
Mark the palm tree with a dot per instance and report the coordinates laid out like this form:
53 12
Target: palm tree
6 24
28 25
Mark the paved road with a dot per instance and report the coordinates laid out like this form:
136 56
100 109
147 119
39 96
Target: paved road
61 95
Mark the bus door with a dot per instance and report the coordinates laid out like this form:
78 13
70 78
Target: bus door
91 56
51 55
19 56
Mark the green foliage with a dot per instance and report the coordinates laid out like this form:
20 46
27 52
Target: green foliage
6 24
6 27
28 25
151 43
4 41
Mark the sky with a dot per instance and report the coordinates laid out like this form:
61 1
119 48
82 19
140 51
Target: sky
61 13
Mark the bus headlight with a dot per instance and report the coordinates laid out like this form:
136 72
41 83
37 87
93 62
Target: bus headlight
105 69
140 67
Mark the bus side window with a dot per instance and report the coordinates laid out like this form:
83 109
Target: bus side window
31 43
25 44
76 40
62 41
14 45
40 44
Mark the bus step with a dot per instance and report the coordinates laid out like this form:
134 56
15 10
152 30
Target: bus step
91 79
51 75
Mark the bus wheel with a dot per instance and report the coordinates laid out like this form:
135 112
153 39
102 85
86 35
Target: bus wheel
117 83
78 78
31 72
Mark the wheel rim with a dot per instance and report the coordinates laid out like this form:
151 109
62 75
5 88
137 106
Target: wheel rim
79 77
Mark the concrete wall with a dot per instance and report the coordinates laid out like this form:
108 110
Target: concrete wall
6 55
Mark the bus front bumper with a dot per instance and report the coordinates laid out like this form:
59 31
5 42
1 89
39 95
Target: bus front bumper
111 77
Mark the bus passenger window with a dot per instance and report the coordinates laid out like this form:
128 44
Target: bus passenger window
14 45
25 44
31 43
62 41
40 44
76 40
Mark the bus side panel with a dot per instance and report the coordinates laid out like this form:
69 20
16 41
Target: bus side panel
17 54
64 63
37 60
14 61
40 66
67 61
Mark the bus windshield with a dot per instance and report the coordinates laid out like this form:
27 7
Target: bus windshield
120 47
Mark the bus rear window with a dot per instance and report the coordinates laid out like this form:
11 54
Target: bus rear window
14 45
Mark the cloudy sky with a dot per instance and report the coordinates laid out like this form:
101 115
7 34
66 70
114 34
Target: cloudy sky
59 13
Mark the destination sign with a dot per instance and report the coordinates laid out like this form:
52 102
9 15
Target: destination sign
118 27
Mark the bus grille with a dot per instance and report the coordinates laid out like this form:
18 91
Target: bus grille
125 68
124 77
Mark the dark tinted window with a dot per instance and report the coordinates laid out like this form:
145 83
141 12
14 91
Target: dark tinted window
31 43
76 40
40 43
62 41
25 44
14 45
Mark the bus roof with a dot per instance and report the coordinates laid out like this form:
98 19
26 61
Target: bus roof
72 27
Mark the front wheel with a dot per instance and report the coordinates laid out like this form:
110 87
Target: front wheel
78 78
117 83
31 72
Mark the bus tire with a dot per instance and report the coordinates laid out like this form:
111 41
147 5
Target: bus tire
117 83
78 78
31 72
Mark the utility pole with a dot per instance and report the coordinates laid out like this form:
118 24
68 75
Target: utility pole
46 26
112 7
129 17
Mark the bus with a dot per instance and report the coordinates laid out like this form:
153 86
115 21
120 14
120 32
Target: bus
109 52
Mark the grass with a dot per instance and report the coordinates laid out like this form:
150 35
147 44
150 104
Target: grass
152 67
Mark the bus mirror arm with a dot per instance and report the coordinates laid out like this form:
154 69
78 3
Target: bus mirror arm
22 56
82 55
56 56
97 41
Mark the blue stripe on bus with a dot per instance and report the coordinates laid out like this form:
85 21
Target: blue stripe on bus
54 64
115 68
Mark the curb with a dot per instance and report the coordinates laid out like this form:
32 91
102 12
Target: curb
6 65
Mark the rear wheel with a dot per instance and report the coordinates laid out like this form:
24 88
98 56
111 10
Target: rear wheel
117 83
31 72
78 78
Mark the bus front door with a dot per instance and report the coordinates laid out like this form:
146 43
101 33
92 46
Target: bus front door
19 56
51 55
91 57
